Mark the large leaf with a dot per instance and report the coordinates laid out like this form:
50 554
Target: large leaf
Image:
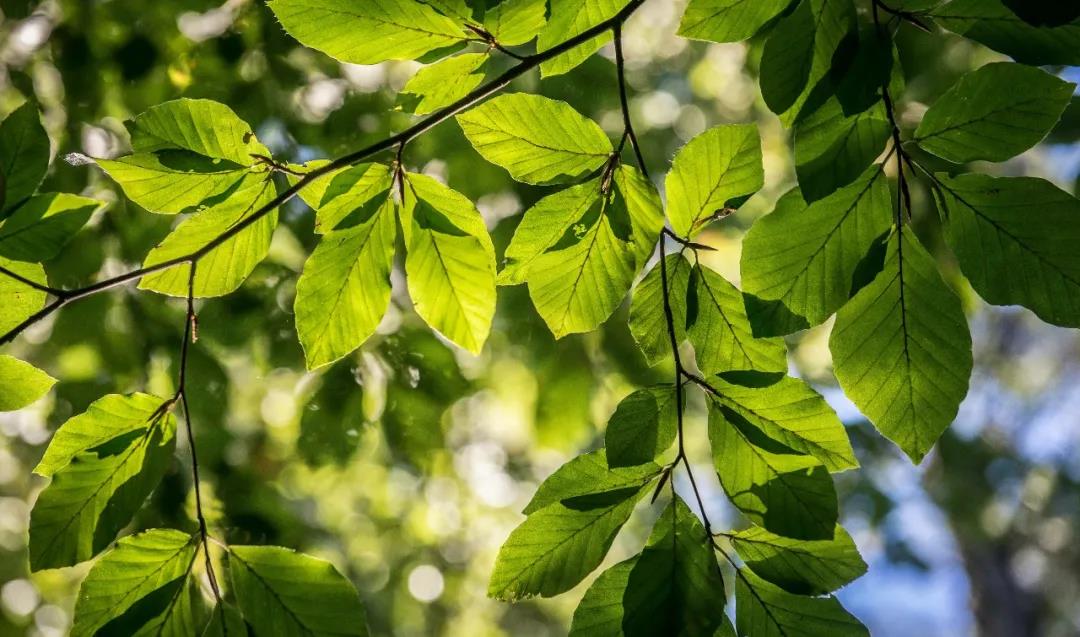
558 545
675 587
515 22
1016 242
443 83
222 269
713 171
774 487
24 156
787 58
38 229
993 24
803 567
377 31
173 181
807 259
136 567
21 383
106 418
96 494
450 262
18 301
537 139
644 212
600 613
344 289
789 411
284 593
589 474
728 20
648 321
994 113
763 610
901 349
720 331
340 198
642 428
570 18
832 148
833 23
203 127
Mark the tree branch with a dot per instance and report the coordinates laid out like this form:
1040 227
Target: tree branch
474 97
628 127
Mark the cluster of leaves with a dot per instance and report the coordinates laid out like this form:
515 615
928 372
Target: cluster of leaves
839 244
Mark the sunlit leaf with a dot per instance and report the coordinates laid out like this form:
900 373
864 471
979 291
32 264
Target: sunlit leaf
39 228
763 610
590 474
648 322
443 83
728 20
803 567
18 301
21 383
515 22
569 18
993 24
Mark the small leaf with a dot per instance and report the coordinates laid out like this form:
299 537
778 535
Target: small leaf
225 266
814 567
339 197
570 18
994 113
139 565
711 171
21 383
642 428
807 259
376 32
18 301
648 322
449 263
774 487
1016 239
728 20
444 82
675 586
38 229
991 23
24 156
283 593
589 474
763 610
515 22
902 350
344 290
171 181
644 209
720 330
537 139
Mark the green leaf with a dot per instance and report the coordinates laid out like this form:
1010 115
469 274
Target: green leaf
21 383
787 493
763 610
284 593
38 229
342 196
648 323
344 290
450 262
600 613
711 172
645 212
537 139
728 20
801 567
543 225
203 127
24 156
515 22
18 301
589 474
225 621
139 565
558 545
1015 239
224 267
790 412
901 349
991 23
577 288
834 26
173 181
1044 12
832 149
457 9
376 32
807 259
720 330
96 494
642 428
443 83
994 113
106 418
675 587
570 18
787 58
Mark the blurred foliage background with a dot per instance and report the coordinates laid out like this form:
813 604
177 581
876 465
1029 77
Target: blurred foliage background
407 463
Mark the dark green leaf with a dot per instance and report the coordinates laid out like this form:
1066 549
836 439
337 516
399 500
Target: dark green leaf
642 428
24 156
991 23
648 323
589 474
37 230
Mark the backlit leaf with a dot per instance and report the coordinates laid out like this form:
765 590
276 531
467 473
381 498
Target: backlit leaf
21 383
802 567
